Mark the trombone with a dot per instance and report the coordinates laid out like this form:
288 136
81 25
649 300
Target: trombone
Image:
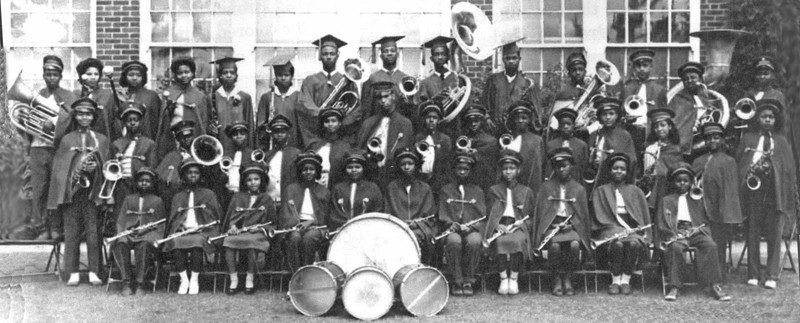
112 172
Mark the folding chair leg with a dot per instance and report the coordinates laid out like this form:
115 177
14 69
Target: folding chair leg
741 256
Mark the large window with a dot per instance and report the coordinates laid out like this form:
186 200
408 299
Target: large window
35 28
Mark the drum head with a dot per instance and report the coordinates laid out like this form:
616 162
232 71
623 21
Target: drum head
374 239
313 289
423 291
368 294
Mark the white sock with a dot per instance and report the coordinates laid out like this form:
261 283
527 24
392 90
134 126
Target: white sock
503 275
514 275
234 280
248 283
625 279
615 279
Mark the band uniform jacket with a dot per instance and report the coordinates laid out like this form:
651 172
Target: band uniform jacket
487 152
142 216
686 117
195 109
288 173
455 208
414 203
499 94
569 92
338 148
249 240
580 153
382 75
546 208
367 193
523 199
151 102
211 212
667 217
400 135
107 121
284 104
315 89
605 225
67 160
64 99
668 159
292 202
442 156
616 140
783 170
720 187
229 111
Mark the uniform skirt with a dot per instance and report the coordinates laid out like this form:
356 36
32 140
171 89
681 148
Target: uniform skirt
565 236
511 243
195 240
247 240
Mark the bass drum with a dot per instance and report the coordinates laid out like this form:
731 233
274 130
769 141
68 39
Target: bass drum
423 290
368 293
374 239
314 288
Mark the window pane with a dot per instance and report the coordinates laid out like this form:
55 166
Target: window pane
18 26
181 4
573 4
411 61
552 27
262 86
659 26
618 57
531 59
61 4
531 26
201 58
201 5
509 24
306 61
552 5
160 61
636 28
677 57
509 5
368 22
266 6
616 5
616 27
573 27
263 55
222 52
411 26
158 4
288 28
637 4
551 58
222 28
659 63
285 5
80 28
429 28
223 5
680 27
58 26
659 4
265 27
680 4
80 4
531 5
160 31
202 26
182 24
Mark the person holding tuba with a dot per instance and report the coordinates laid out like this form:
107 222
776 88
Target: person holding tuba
229 104
281 100
441 78
168 169
768 190
389 52
562 206
690 104
134 77
90 72
681 222
485 147
508 87
519 116
565 137
280 158
75 188
331 146
183 102
355 195
40 225
661 154
434 146
719 184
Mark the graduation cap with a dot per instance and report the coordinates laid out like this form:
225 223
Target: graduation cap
328 41
510 46
438 41
280 62
386 41
227 61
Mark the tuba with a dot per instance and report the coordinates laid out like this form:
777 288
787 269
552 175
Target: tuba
112 172
605 74
32 111
207 150
356 71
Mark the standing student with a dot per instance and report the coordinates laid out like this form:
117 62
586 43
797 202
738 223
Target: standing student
330 146
183 102
441 78
562 205
389 72
565 137
229 104
509 202
610 138
168 169
661 154
619 206
505 89
527 143
305 204
134 77
647 89
355 195
281 100
90 73
690 104
280 159
436 160
485 147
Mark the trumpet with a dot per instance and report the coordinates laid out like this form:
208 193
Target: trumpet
538 251
423 147
514 227
745 109
374 146
409 86
463 143
258 156
762 166
135 230
225 165
271 233
112 172
597 243
696 191
680 236
505 140
249 228
206 149
185 233
447 232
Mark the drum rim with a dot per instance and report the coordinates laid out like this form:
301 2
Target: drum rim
330 275
370 269
418 267
376 215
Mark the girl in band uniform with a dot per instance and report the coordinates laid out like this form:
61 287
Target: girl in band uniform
435 161
610 138
356 195
134 77
184 102
526 143
305 204
661 154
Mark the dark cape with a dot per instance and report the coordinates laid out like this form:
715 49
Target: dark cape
605 224
487 152
414 205
580 153
228 113
151 102
499 94
285 105
341 211
443 154
66 160
453 208
338 148
127 221
720 187
685 117
667 217
545 210
668 159
212 212
200 114
240 219
524 198
292 202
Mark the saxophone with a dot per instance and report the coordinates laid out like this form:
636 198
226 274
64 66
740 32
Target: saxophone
761 168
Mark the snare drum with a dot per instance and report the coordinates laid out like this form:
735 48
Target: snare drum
313 288
368 293
374 239
423 290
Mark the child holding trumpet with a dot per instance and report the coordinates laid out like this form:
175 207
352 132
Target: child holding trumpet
305 205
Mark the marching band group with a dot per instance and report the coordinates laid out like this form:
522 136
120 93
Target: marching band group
187 172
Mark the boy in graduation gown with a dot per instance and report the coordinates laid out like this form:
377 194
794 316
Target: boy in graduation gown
507 87
138 209
527 143
282 99
611 138
560 197
484 145
317 87
305 204
689 104
231 103
133 151
641 85
90 73
134 77
183 101
356 195
460 203
168 169
676 217
280 158
442 78
564 137
390 127
330 146
388 73
436 159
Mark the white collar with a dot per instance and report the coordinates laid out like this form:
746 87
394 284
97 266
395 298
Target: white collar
289 92
234 92
389 71
510 78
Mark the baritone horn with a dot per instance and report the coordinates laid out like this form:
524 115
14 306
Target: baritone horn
207 150
356 71
112 172
33 111
606 73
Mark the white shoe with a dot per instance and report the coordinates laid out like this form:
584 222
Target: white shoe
234 281
184 287
513 287
74 279
248 283
94 280
503 290
194 285
752 282
770 284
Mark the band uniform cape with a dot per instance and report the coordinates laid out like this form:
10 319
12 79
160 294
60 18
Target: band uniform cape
686 116
523 199
288 173
338 148
64 99
231 110
545 211
531 170
169 178
668 159
441 174
398 124
382 75
210 213
315 89
285 105
667 217
655 93
616 139
107 122
341 209
580 153
605 225
499 94
66 160
127 221
568 92
455 208
195 109
775 94
487 152
294 194
720 187
151 102
249 240
409 206
145 147
783 170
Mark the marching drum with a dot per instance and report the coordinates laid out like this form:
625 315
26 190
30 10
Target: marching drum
313 288
368 293
374 239
423 290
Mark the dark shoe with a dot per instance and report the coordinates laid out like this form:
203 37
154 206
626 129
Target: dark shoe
250 291
558 290
718 294
144 287
613 289
625 289
467 288
456 290
569 291
232 291
672 295
127 290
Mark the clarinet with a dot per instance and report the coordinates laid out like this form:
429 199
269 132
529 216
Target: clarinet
214 122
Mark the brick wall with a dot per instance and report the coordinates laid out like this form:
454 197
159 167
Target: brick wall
117 32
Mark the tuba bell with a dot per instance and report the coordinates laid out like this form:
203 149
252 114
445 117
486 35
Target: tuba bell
207 150
606 73
745 109
356 71
112 172
32 111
